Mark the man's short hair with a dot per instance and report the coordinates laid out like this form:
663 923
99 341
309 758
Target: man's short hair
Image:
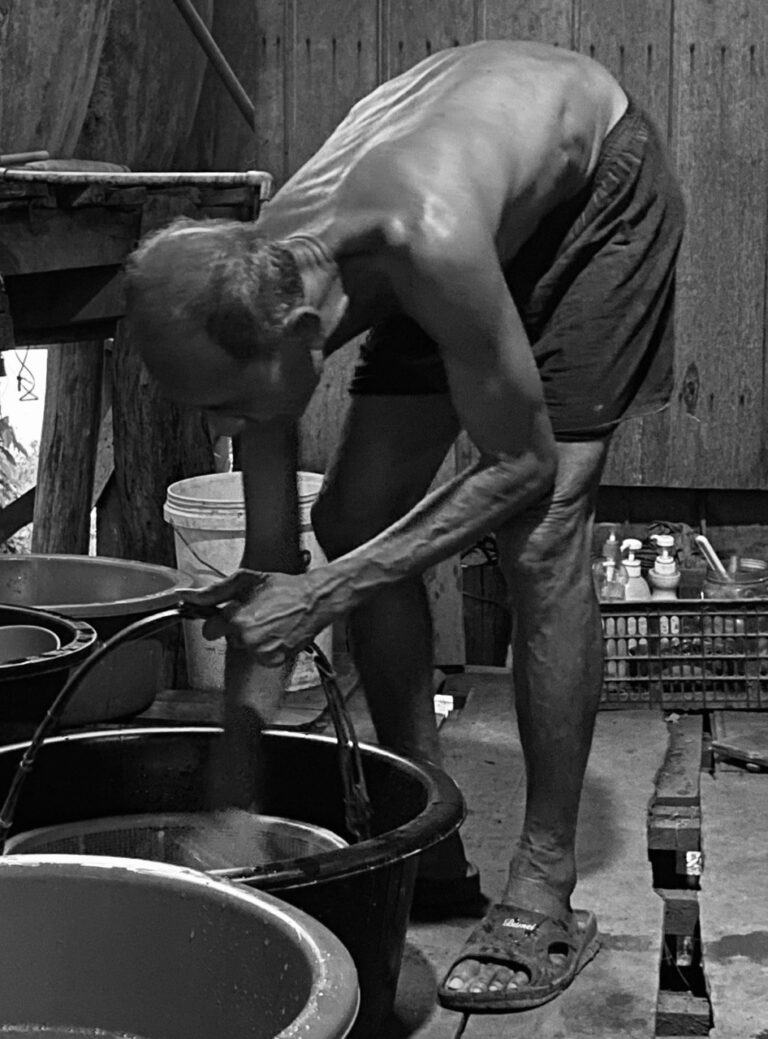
250 284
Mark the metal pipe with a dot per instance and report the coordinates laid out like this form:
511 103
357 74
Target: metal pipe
191 16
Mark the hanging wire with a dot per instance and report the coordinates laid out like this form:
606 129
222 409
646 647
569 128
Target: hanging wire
305 556
205 563
25 380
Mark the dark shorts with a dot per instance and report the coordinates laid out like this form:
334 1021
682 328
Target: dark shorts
594 286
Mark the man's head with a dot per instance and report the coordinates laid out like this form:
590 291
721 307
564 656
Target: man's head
218 313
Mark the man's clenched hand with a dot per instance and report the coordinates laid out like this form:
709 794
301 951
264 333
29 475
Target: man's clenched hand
272 616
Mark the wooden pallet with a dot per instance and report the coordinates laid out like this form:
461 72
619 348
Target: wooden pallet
734 908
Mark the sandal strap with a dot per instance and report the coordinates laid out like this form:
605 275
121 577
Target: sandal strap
521 937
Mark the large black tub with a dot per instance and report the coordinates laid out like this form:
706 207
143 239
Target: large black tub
362 893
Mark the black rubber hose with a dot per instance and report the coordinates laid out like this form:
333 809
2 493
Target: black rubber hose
140 628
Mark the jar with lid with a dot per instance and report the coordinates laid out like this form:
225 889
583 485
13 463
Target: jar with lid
749 580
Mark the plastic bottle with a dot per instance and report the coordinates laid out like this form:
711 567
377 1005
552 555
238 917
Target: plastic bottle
610 580
611 547
664 575
609 574
637 588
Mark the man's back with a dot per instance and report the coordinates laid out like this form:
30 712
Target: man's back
499 130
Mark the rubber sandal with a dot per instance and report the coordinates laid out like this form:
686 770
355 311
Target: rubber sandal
523 940
437 898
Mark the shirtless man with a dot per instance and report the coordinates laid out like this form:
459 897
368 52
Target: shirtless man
502 221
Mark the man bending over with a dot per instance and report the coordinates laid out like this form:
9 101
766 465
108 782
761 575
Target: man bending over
502 222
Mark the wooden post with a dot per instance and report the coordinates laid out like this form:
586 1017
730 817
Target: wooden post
61 519
108 539
155 444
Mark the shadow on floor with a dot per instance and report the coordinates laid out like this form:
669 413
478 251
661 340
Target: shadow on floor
600 838
416 995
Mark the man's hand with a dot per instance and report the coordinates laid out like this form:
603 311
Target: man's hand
268 615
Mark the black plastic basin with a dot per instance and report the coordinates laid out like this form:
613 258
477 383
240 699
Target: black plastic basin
362 893
29 685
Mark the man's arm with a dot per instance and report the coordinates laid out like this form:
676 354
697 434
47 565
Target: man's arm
268 456
465 305
454 288
269 461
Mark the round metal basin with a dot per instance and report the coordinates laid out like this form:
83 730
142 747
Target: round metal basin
91 587
117 947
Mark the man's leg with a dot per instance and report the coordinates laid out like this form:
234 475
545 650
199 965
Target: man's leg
557 666
391 449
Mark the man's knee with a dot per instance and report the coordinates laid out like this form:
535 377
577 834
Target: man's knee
554 535
548 537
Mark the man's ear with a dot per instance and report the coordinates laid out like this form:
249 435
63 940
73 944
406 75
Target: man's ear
303 323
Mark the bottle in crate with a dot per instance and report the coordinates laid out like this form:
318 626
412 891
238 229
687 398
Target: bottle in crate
664 576
637 589
609 573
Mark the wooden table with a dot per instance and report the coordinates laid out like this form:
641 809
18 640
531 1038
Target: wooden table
64 237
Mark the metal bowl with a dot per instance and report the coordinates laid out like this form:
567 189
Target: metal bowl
120 947
362 893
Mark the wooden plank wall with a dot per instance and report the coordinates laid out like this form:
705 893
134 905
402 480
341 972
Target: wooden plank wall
699 66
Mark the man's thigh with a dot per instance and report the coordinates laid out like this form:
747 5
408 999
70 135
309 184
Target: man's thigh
390 450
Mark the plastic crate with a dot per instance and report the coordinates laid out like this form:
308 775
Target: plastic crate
688 654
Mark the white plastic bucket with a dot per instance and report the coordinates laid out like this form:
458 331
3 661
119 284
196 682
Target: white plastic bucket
207 514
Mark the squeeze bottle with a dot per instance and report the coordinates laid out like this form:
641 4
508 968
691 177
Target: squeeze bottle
637 587
664 576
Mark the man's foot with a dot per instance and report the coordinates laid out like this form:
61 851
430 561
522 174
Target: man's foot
519 958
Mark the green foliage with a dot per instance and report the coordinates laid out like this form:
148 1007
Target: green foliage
17 473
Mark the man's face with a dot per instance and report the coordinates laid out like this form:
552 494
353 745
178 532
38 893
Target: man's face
267 389
191 366
195 371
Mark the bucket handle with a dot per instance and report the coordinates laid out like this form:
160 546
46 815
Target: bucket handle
305 556
356 802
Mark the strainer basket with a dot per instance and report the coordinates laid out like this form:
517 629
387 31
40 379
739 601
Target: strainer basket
172 837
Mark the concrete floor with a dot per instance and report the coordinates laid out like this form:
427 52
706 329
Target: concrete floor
616 995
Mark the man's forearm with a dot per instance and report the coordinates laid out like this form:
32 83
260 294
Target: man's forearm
447 521
269 459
